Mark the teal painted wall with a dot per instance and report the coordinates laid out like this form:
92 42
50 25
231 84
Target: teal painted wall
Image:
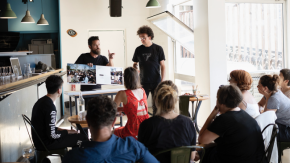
50 11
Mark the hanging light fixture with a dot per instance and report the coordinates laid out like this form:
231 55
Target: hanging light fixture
27 18
153 4
8 13
42 20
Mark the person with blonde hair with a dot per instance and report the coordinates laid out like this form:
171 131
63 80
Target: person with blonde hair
167 129
243 80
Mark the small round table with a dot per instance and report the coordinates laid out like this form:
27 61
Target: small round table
82 124
199 100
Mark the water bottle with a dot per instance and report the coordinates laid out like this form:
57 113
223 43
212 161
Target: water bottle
29 72
81 107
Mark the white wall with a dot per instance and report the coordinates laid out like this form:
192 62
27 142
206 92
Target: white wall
94 14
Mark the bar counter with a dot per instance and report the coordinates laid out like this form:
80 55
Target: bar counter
15 99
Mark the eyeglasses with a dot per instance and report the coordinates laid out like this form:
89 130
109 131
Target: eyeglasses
221 86
143 38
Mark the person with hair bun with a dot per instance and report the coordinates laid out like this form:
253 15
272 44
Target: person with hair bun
275 100
243 80
237 135
284 78
134 101
167 129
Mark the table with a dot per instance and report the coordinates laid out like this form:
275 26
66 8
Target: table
88 94
82 124
199 100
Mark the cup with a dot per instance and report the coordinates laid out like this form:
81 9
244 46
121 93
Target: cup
82 115
196 92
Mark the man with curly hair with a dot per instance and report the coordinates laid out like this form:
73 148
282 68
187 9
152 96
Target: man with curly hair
151 59
105 146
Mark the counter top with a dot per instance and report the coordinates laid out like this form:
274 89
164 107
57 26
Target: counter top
11 87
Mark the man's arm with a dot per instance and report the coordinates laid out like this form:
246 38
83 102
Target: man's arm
111 57
162 65
206 136
135 65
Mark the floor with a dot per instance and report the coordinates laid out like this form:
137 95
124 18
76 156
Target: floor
66 124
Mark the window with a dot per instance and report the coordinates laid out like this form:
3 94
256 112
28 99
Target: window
254 36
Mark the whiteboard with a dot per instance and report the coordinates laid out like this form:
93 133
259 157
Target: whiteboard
114 41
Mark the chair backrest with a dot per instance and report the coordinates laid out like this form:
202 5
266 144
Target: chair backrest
181 154
183 105
269 148
27 120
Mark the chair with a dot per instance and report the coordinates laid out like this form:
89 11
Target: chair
40 154
281 147
181 154
183 105
269 149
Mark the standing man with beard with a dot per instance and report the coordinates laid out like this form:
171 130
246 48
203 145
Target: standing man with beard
94 58
151 58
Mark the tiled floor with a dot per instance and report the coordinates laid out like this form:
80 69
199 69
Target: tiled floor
66 124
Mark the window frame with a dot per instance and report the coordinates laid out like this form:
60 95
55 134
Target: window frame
286 18
187 78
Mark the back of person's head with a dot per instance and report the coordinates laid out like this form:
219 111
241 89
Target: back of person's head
146 30
165 97
131 78
101 112
243 79
229 95
270 81
91 39
286 74
53 84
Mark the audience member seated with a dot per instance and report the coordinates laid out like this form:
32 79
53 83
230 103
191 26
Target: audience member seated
105 146
237 135
284 78
44 117
134 101
243 80
275 100
167 129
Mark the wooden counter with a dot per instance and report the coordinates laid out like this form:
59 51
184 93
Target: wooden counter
23 83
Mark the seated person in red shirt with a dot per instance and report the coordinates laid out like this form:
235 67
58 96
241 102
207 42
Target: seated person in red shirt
105 146
44 117
134 101
237 135
167 129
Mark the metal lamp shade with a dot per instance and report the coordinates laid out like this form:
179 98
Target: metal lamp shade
153 4
8 13
42 20
27 18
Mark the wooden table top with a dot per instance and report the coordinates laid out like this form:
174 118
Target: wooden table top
199 98
76 119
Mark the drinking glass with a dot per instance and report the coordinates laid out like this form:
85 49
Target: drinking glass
26 153
25 70
16 73
2 78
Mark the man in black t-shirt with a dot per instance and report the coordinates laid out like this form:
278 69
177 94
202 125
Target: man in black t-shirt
151 59
94 58
44 118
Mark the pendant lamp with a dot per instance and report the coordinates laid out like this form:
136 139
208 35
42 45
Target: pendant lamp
27 18
153 4
42 20
7 13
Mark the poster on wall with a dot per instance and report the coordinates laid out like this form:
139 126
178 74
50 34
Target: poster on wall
85 75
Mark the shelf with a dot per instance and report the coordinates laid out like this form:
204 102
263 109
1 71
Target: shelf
15 86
